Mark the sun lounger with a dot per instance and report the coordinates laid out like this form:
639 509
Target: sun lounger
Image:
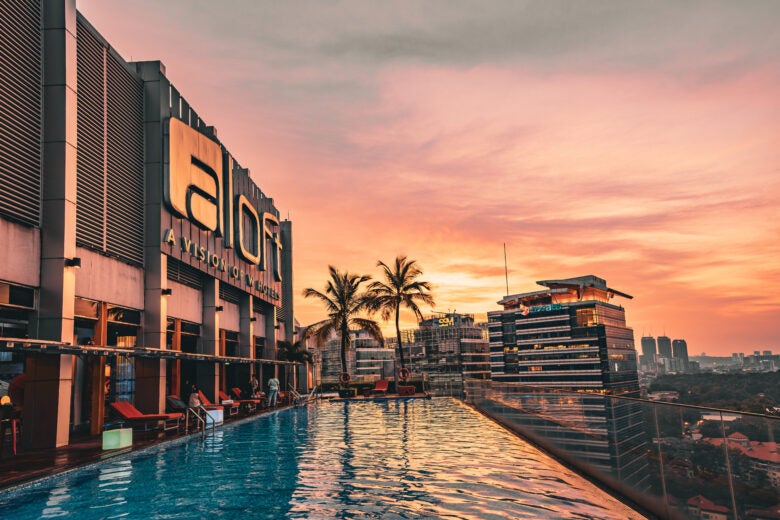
251 403
380 388
132 415
231 408
248 406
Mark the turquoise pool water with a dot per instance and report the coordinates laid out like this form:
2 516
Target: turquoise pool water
391 460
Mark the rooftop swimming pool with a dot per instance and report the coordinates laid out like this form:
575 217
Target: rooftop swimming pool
391 460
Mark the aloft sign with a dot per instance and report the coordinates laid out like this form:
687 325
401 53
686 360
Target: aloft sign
198 187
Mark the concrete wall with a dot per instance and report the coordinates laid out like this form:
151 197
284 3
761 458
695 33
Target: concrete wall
109 280
229 317
185 302
259 324
20 259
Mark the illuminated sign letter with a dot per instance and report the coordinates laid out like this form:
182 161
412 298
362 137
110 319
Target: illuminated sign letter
247 223
276 245
193 181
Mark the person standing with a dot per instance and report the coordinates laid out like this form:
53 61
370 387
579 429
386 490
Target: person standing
273 391
254 384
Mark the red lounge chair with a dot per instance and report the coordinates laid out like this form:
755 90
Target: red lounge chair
130 413
208 405
249 404
381 387
234 405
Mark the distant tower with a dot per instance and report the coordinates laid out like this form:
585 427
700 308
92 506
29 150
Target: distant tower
680 351
664 347
648 348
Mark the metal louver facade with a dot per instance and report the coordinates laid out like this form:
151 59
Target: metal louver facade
184 274
110 157
21 110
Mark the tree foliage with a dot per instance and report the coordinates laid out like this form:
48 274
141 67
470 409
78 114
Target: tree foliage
399 288
288 351
747 392
345 301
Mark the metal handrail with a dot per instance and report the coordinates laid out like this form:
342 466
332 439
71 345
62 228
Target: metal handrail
548 390
296 396
198 413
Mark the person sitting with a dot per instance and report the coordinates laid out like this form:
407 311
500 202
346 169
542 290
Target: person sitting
194 400
10 418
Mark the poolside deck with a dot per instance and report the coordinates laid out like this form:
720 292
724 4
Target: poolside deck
29 465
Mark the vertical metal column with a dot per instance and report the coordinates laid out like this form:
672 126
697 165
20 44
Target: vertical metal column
728 466
660 460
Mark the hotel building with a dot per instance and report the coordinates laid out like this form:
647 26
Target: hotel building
139 257
571 342
448 348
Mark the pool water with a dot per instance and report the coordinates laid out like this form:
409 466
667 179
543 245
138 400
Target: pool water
391 460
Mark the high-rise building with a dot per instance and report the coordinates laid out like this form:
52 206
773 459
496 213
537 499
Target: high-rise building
680 351
647 359
448 348
648 347
571 336
664 347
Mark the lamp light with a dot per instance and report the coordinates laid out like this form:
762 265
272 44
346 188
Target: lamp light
167 292
74 262
219 308
253 319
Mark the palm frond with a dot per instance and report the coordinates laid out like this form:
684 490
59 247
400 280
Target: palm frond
372 328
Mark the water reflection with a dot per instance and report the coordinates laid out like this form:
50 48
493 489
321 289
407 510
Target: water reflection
412 459
404 459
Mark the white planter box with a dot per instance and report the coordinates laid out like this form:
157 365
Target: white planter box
214 417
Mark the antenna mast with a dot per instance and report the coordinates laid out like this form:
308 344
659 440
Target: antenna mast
506 271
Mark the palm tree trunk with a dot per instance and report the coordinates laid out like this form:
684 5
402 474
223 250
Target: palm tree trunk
398 334
344 343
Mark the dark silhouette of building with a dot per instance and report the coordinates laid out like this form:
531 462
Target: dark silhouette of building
680 351
664 347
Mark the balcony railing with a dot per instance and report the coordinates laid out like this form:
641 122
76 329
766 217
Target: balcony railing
672 460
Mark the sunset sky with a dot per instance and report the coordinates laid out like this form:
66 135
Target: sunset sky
639 142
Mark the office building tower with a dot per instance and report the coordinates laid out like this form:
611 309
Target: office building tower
570 336
680 351
664 347
648 347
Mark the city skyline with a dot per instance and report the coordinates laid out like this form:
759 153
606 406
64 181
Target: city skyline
635 143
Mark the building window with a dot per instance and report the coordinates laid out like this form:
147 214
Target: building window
587 317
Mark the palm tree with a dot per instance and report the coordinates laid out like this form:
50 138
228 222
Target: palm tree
400 287
288 351
344 302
